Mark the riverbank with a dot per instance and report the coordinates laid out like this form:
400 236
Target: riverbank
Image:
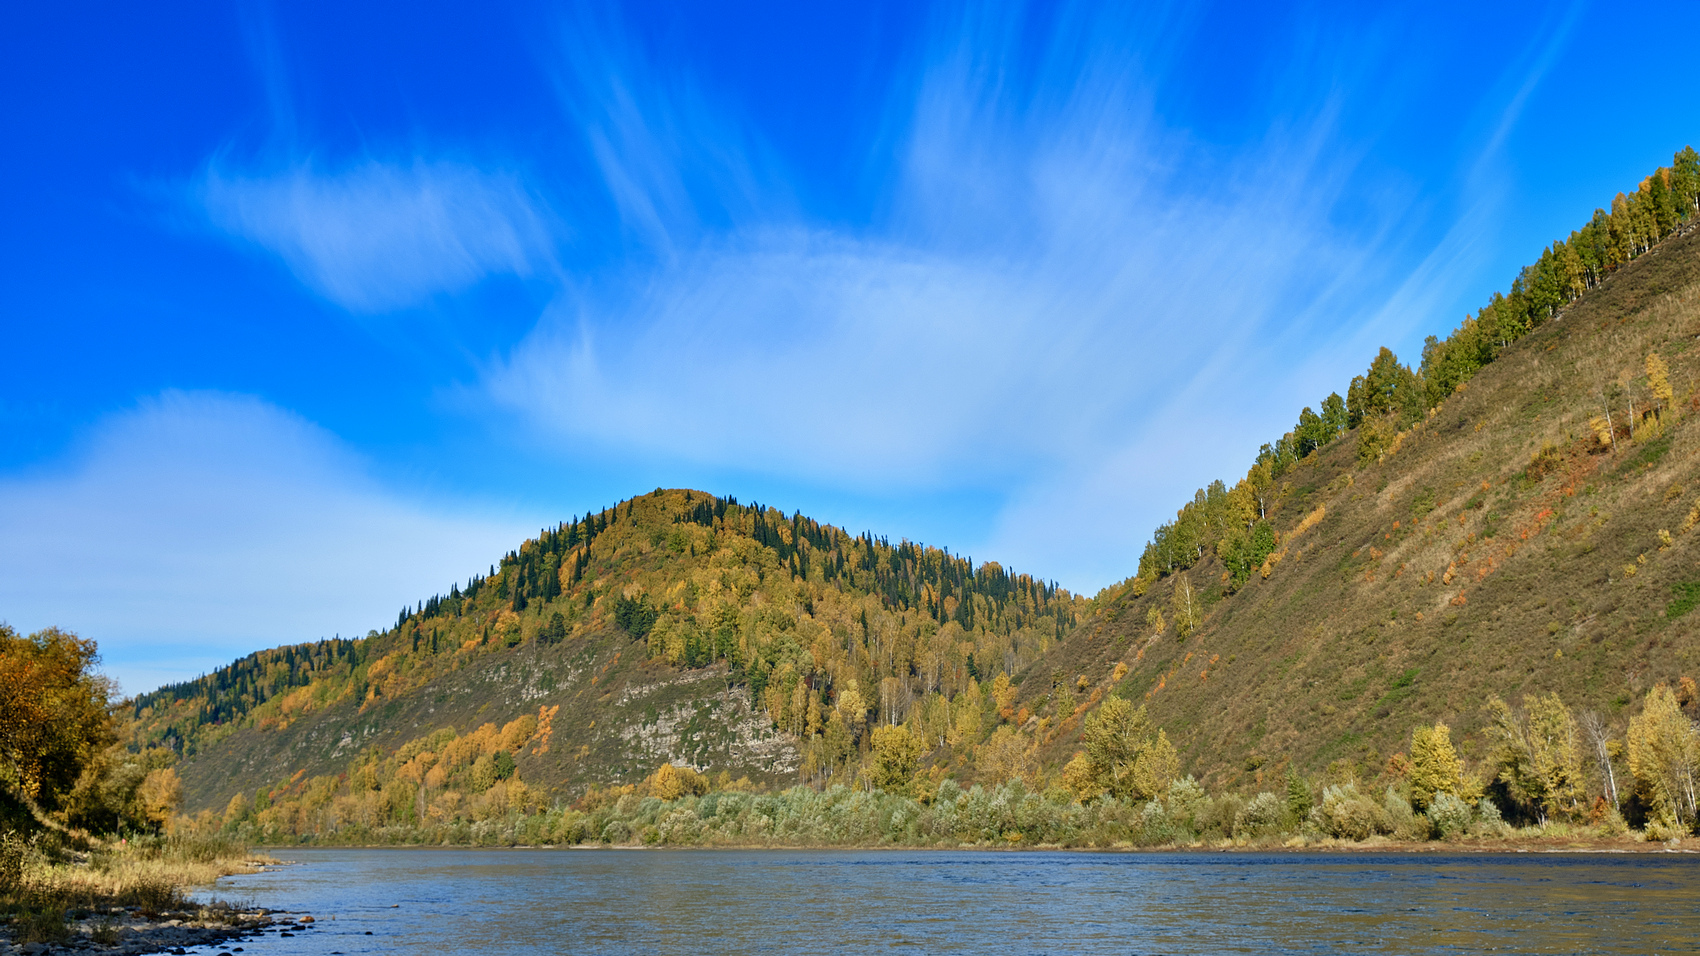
1518 842
122 896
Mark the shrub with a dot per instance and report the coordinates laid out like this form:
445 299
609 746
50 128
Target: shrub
42 926
1406 824
1488 821
1660 831
1263 816
1346 814
1188 805
1448 815
1219 818
1157 826
13 848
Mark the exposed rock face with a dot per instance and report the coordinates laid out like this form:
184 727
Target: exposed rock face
619 717
714 728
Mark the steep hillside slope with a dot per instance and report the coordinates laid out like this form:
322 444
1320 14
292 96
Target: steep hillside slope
1506 543
675 627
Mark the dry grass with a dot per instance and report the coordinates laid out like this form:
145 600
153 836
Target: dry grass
46 884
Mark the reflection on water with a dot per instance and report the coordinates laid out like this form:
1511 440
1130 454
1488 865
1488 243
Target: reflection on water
787 901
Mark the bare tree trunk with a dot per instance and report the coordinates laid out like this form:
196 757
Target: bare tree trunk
1598 739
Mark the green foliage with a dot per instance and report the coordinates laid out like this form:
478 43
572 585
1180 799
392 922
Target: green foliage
1449 815
1264 815
1126 755
1347 814
1539 754
1648 455
1243 551
1687 598
53 714
635 616
555 631
1298 796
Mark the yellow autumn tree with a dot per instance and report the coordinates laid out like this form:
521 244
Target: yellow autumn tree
1539 752
1435 767
852 709
1003 696
53 713
1664 757
891 762
1006 756
670 783
1658 382
159 796
1079 778
1125 754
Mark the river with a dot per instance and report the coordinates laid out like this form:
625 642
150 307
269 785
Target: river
915 901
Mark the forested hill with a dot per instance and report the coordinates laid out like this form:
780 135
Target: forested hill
784 615
1514 516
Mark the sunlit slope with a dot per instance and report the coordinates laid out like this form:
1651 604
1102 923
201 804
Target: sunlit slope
672 627
1506 545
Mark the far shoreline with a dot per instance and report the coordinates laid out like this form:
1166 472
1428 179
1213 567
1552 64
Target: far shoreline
1623 846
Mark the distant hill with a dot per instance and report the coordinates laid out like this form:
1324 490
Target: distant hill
675 626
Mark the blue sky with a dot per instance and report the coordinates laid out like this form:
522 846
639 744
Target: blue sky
310 311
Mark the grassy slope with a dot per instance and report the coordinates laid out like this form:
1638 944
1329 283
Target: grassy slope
1357 636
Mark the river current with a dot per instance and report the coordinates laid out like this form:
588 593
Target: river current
914 901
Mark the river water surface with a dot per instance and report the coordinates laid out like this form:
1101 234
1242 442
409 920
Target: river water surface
896 901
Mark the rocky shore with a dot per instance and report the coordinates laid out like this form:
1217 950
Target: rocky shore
132 933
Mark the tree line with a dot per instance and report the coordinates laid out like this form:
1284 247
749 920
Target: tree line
1390 397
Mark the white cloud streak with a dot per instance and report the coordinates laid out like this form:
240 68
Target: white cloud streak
1061 287
200 526
377 236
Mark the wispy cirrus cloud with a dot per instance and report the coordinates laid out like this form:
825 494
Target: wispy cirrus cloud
375 236
1060 281
198 526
